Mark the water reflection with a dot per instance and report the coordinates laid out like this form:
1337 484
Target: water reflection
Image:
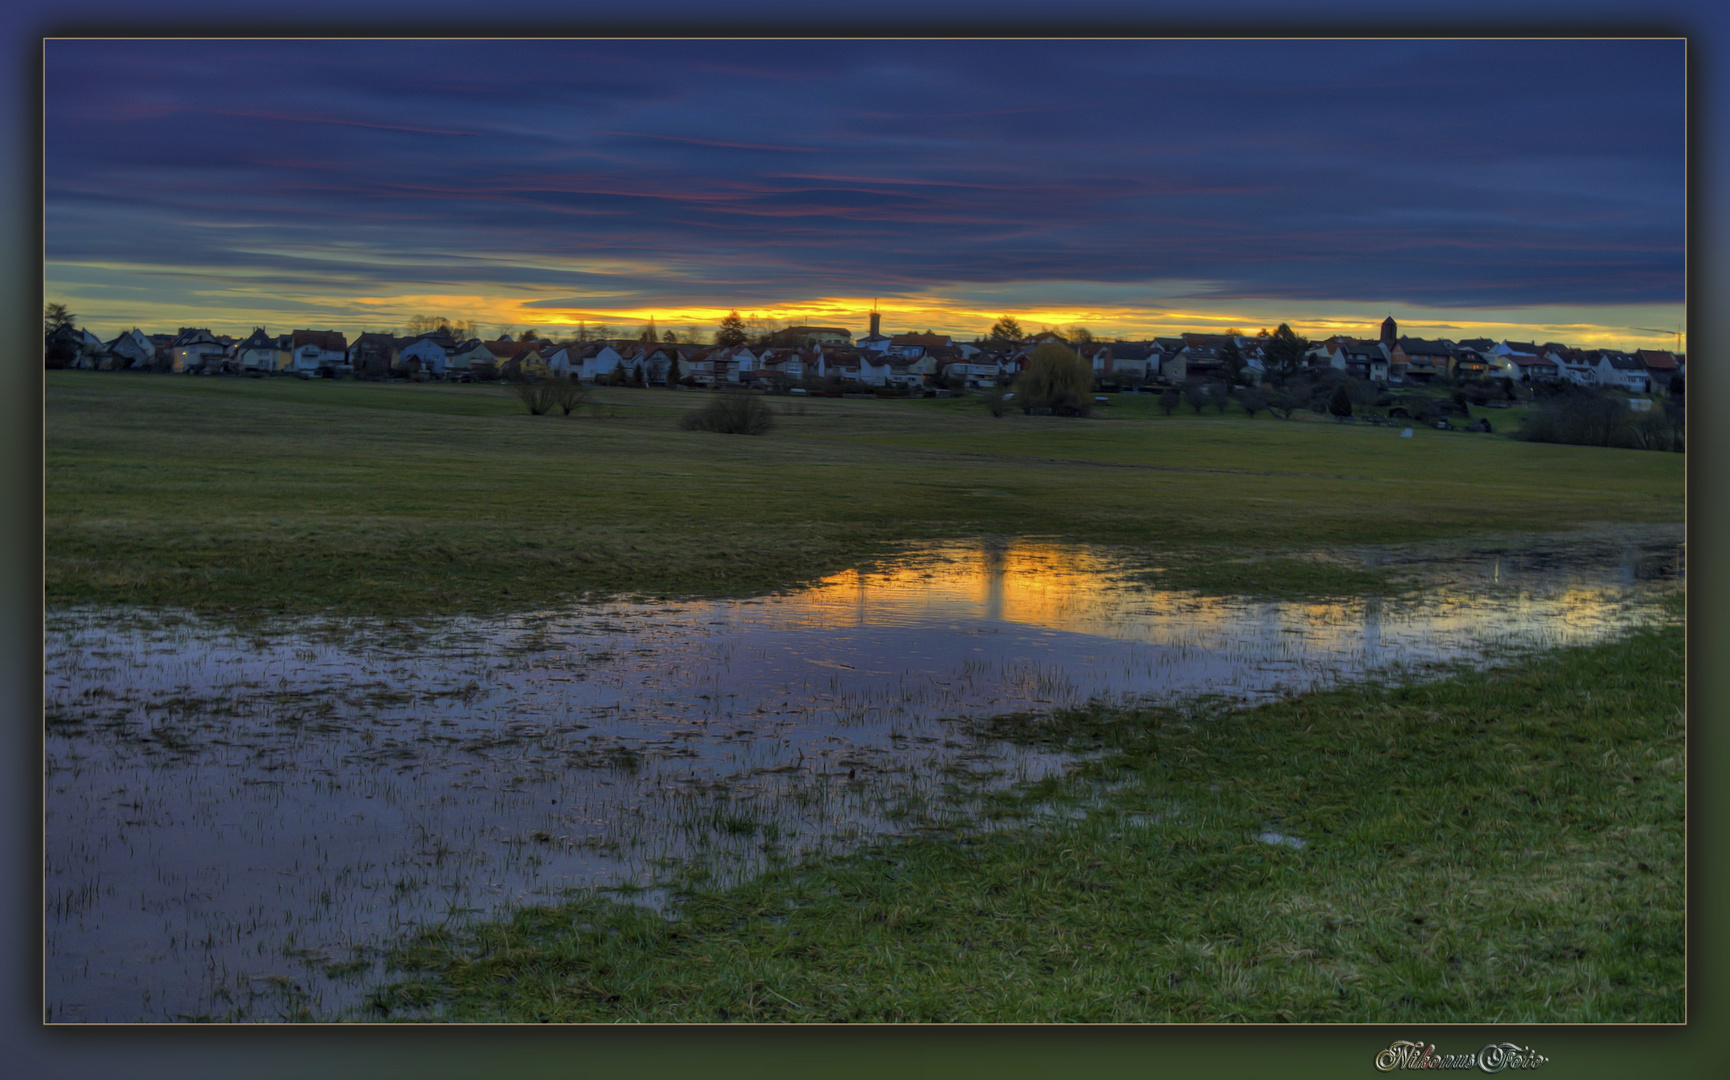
234 824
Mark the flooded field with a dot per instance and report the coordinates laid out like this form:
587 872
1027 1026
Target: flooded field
235 825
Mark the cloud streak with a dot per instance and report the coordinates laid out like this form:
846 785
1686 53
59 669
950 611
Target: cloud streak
1448 175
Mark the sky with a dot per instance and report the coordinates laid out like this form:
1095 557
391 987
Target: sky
1532 190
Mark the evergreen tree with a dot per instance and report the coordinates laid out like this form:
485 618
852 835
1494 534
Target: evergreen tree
732 331
56 318
1340 405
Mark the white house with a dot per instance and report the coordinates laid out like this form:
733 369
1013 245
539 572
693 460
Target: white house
604 361
194 349
1618 369
321 351
1576 366
431 350
870 374
461 361
261 354
975 376
131 350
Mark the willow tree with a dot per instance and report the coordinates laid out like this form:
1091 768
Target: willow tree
1056 378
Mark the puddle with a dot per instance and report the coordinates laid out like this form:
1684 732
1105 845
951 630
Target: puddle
235 825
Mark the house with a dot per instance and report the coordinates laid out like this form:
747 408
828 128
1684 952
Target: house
1470 363
428 352
732 361
971 374
1420 361
1523 361
321 352
196 350
1576 366
804 365
1203 356
131 351
871 374
1531 369
529 364
468 360
913 346
1661 367
261 354
1623 372
698 368
89 351
73 348
599 361
1367 360
1133 363
373 356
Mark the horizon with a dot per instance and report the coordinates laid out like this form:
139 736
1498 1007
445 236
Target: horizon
1137 188
700 337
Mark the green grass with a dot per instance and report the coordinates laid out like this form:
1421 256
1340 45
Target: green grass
1501 846
254 497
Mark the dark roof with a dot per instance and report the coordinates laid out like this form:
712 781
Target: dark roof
1420 347
324 339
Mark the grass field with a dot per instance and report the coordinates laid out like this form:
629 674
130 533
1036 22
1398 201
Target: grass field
257 497
1503 846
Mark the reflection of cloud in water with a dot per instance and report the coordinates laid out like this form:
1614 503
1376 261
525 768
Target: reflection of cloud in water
222 808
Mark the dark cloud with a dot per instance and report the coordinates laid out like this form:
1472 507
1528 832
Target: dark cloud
1448 174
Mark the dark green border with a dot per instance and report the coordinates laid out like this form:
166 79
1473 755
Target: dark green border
26 1049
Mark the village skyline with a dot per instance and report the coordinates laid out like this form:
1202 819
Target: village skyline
760 328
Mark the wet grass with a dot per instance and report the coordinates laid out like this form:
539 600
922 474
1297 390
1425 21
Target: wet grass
1496 846
1278 577
255 498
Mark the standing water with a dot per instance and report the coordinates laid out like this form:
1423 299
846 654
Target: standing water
236 826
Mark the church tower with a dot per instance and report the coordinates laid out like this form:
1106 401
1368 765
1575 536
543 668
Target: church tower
1390 332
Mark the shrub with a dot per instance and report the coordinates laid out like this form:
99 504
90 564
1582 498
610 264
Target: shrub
731 413
1340 404
1590 418
538 394
1058 379
1253 401
568 393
